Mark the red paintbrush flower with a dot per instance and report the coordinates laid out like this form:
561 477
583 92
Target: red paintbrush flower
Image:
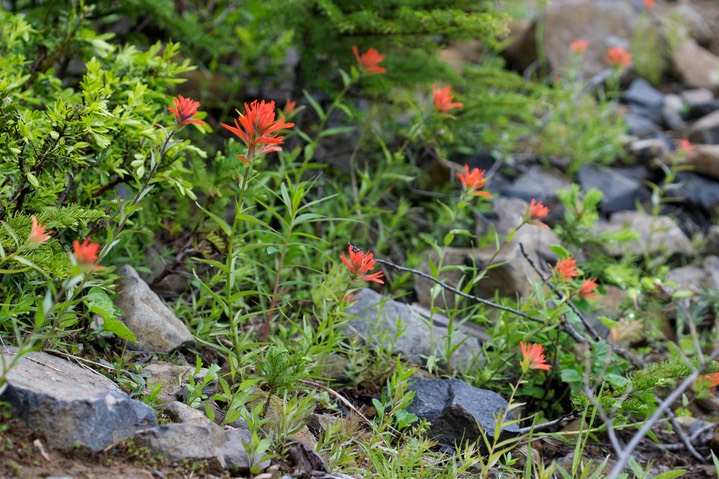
38 235
361 263
258 129
86 254
184 110
566 269
533 357
586 290
370 60
443 99
618 57
537 211
473 181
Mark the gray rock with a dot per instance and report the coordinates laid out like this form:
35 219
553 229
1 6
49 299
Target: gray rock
604 24
691 21
712 241
704 160
620 191
171 376
155 326
459 412
649 149
642 94
656 234
638 124
695 190
692 278
697 96
672 112
177 442
711 266
698 67
182 413
380 321
73 405
706 129
540 184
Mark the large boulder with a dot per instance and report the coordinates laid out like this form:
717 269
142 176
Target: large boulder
73 405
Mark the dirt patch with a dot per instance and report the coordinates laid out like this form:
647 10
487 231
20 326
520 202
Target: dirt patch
25 454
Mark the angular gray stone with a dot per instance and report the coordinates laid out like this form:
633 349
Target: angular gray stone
72 404
656 234
540 184
459 412
416 336
706 129
620 191
695 190
177 442
155 326
639 124
642 94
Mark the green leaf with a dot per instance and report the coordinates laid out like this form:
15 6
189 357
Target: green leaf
99 302
336 131
32 179
220 222
118 328
560 251
315 106
571 376
671 474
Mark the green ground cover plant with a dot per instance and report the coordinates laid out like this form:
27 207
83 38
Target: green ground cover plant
106 153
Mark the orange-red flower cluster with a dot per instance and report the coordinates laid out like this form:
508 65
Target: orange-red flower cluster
473 181
536 212
618 57
586 289
86 254
360 264
712 380
443 99
257 129
533 357
648 3
369 61
566 269
685 145
184 110
38 235
579 46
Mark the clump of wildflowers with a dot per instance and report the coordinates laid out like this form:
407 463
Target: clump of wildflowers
360 264
258 129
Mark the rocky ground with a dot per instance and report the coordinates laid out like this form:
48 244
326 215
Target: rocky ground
109 434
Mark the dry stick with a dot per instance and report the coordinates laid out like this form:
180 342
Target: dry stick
568 327
664 406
